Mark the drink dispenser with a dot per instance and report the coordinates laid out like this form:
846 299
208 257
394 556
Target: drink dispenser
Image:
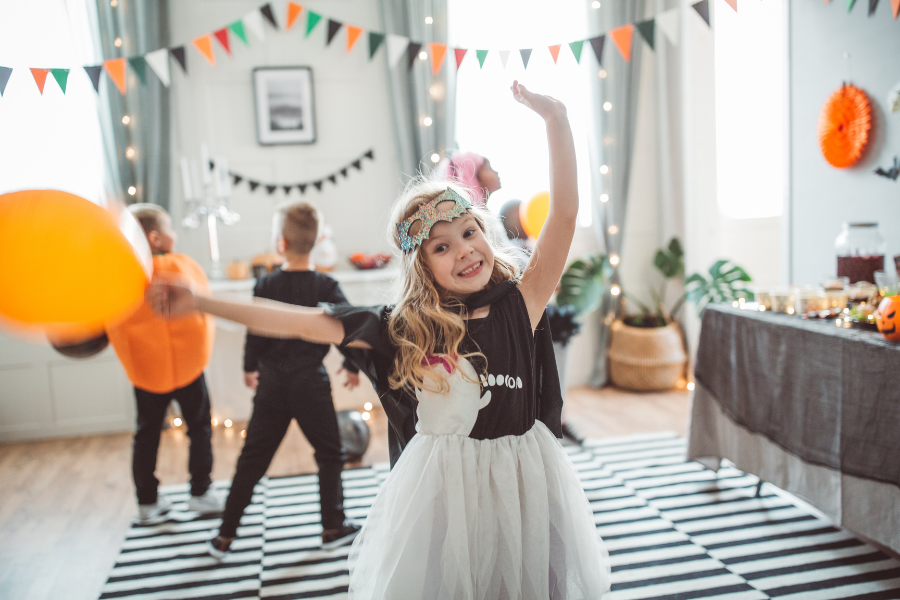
860 252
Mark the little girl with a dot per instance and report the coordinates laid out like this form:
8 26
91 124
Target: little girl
482 502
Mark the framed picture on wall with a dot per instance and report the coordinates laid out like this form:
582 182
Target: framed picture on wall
285 111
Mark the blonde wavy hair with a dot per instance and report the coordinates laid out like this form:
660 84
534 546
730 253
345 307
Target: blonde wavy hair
426 322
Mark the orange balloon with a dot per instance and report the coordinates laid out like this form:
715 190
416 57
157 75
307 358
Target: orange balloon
534 213
69 267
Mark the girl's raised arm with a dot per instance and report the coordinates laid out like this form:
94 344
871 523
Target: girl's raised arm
552 247
262 317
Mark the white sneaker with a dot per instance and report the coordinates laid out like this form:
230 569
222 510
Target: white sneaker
210 502
149 512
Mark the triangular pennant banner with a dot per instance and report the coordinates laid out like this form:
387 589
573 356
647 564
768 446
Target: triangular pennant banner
40 78
482 56
254 22
237 178
115 69
504 57
271 188
669 23
266 11
179 54
139 66
312 19
61 76
357 164
344 172
873 5
159 62
333 28
850 4
333 179
353 33
647 29
370 154
554 52
293 11
597 45
732 4
460 54
203 44
895 6
222 36
396 46
303 187
438 53
287 189
576 48
375 40
237 28
253 184
702 9
412 51
621 37
318 185
93 72
526 54
5 72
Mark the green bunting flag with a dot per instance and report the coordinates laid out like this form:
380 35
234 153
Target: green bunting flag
61 76
237 28
481 54
312 19
576 49
647 29
375 40
5 72
139 66
850 4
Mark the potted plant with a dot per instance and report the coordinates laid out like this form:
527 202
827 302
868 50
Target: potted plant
647 350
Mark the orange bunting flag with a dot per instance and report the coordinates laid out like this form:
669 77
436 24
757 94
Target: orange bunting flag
115 68
554 52
293 11
621 37
732 4
203 44
895 6
438 52
40 77
353 33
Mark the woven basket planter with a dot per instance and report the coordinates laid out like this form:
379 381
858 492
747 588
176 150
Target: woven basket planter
646 359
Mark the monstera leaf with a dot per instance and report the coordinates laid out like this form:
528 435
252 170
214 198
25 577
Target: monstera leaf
725 284
584 284
670 262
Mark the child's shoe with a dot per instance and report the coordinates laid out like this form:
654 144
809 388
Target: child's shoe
219 547
150 512
210 502
335 538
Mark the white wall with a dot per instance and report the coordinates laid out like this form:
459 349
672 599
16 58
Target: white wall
215 105
822 197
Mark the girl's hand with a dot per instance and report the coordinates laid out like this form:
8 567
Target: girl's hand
545 106
170 299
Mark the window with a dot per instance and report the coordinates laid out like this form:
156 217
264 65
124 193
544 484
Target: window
750 104
54 140
488 122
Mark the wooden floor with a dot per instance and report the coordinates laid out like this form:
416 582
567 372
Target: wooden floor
65 505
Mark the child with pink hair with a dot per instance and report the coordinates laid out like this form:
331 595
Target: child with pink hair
471 170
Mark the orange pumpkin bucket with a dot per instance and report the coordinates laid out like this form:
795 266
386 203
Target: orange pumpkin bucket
887 318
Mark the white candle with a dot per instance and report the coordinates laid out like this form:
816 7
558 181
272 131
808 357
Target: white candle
204 164
186 179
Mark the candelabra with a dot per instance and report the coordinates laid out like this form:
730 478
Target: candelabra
208 202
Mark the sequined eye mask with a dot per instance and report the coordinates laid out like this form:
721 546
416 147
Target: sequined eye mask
427 215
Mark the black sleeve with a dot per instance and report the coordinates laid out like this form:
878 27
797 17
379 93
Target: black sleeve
255 345
336 296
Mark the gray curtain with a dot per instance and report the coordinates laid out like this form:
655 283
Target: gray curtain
612 144
416 93
143 26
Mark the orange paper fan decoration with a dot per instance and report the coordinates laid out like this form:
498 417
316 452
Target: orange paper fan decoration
844 125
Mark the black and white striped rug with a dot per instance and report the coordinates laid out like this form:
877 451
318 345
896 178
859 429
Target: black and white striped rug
673 530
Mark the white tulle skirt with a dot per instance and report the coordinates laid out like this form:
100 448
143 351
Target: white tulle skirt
465 519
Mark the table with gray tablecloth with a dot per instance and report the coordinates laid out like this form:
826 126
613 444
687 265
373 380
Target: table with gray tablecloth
810 406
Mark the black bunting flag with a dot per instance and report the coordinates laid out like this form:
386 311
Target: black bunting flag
266 11
357 164
344 172
237 179
271 188
375 40
597 45
318 185
178 53
370 154
94 74
333 28
526 54
303 187
5 72
702 9
412 51
253 185
287 189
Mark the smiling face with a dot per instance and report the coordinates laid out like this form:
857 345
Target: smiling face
459 256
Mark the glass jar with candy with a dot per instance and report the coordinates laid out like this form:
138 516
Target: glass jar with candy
860 252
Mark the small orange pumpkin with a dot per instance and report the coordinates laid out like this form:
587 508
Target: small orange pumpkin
887 318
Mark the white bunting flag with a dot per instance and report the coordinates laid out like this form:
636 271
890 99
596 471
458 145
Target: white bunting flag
254 22
159 62
504 56
396 46
669 22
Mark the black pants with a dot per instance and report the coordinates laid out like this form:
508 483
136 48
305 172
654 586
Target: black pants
151 411
280 397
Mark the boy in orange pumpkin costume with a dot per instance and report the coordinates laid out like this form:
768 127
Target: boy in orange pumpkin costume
164 361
